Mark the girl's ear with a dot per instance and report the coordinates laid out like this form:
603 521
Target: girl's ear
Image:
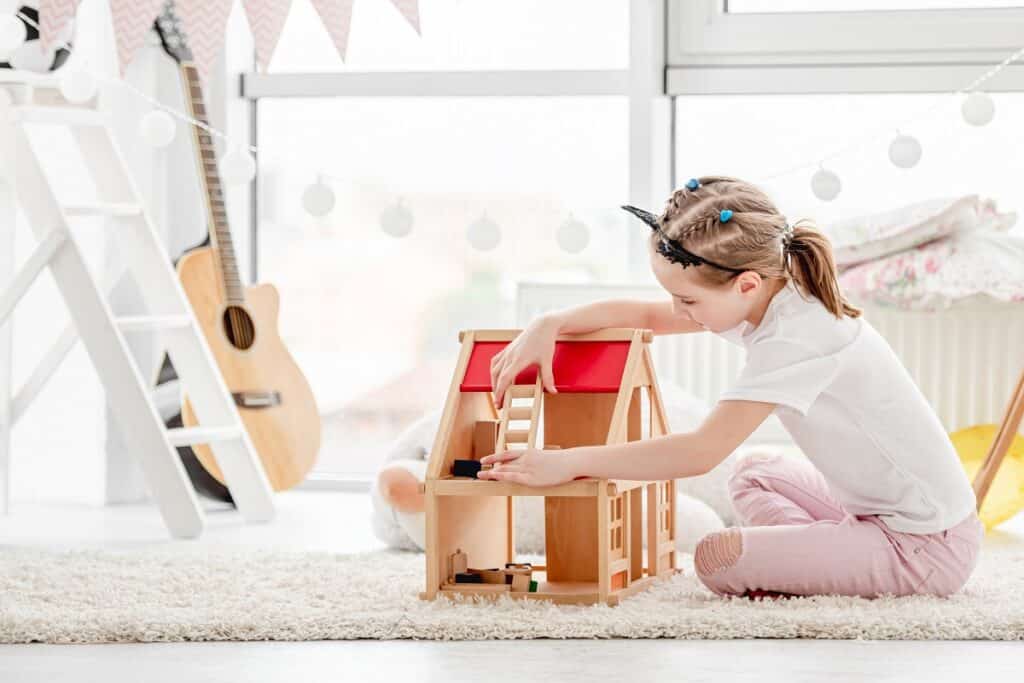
748 281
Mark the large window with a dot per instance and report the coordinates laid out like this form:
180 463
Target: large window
371 317
519 117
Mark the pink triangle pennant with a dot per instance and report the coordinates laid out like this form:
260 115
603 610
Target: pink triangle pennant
132 19
53 16
337 18
266 19
204 22
410 10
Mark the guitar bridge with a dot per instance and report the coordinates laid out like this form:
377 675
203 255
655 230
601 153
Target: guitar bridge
257 399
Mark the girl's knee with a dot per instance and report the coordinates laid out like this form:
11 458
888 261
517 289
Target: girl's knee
717 552
749 467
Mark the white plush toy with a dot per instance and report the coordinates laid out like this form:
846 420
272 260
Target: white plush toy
702 503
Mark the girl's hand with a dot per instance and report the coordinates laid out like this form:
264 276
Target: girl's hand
534 345
530 467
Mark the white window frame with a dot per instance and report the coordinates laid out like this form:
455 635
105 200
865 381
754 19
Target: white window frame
713 52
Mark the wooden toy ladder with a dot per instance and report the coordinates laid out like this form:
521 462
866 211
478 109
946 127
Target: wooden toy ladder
170 316
528 436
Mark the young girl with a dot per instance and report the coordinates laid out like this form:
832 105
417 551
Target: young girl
881 505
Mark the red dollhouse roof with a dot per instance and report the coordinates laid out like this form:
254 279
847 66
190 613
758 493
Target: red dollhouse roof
581 367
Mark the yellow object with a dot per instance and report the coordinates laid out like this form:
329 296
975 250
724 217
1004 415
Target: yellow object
1006 496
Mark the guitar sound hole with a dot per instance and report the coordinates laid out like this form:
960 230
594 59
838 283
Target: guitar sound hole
239 328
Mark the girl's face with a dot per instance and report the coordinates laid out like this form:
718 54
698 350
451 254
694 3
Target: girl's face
715 308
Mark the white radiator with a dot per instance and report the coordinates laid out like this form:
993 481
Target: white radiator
966 361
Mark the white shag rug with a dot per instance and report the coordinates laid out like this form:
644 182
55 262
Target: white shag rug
99 596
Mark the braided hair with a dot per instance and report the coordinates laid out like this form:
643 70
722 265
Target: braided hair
731 226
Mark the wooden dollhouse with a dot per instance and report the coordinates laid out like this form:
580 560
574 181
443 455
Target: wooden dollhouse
593 527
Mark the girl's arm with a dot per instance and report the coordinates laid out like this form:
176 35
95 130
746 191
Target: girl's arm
673 456
656 316
536 344
687 454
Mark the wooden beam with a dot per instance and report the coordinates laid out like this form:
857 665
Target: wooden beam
617 425
444 429
1001 444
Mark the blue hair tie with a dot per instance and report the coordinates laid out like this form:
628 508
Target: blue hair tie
724 215
692 184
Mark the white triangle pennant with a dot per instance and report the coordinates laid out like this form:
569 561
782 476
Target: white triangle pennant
204 22
266 19
410 10
53 16
337 18
132 19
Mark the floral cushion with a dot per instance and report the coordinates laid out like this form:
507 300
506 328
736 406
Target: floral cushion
934 276
871 237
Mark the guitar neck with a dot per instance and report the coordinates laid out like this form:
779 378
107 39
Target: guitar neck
220 233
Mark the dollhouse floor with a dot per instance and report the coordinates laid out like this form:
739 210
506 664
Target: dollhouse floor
564 592
304 523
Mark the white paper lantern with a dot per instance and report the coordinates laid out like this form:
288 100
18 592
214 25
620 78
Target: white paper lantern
157 128
825 185
978 109
77 86
318 198
396 220
905 151
31 55
237 167
573 236
13 35
483 234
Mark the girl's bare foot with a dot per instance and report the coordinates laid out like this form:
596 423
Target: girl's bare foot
401 489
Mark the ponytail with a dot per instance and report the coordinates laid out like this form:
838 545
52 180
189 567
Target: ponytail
809 262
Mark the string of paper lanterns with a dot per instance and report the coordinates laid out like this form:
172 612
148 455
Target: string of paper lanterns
12 35
318 198
397 220
573 235
905 151
157 128
237 166
483 234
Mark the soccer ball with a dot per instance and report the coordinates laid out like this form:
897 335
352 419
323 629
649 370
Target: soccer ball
31 56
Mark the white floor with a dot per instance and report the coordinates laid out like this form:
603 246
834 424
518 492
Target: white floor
338 522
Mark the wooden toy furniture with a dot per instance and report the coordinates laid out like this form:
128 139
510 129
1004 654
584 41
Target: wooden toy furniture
593 527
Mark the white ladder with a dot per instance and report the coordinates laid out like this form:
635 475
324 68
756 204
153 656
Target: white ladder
102 333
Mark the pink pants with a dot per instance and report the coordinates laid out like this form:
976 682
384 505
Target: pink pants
797 539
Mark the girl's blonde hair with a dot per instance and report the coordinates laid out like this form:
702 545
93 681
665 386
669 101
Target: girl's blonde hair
752 239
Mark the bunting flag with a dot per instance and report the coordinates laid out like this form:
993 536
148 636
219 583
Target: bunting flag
266 19
204 22
337 18
53 16
132 19
410 10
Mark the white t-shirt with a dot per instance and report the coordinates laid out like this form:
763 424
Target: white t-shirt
851 406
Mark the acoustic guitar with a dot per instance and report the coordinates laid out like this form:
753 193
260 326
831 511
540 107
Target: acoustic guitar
273 397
